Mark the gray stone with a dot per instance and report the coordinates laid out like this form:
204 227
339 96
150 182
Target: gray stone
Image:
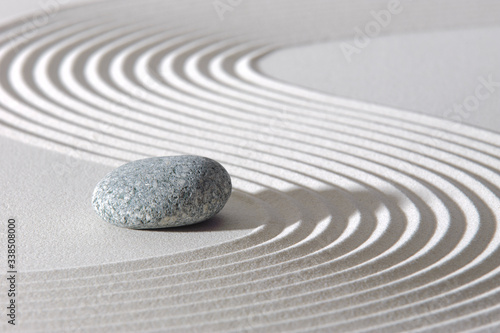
162 192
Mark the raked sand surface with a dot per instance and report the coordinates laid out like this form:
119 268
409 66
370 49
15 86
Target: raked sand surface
362 199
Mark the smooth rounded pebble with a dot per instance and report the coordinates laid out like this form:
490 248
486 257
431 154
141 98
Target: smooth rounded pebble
162 192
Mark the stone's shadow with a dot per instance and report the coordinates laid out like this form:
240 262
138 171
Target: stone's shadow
242 212
248 211
218 222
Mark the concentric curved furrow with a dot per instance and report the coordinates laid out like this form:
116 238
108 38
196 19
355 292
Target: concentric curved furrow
362 217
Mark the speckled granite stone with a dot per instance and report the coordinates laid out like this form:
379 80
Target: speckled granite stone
162 192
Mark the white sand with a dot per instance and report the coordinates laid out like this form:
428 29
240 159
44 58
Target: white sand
349 211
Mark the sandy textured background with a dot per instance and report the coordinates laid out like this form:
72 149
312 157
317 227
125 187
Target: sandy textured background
362 201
